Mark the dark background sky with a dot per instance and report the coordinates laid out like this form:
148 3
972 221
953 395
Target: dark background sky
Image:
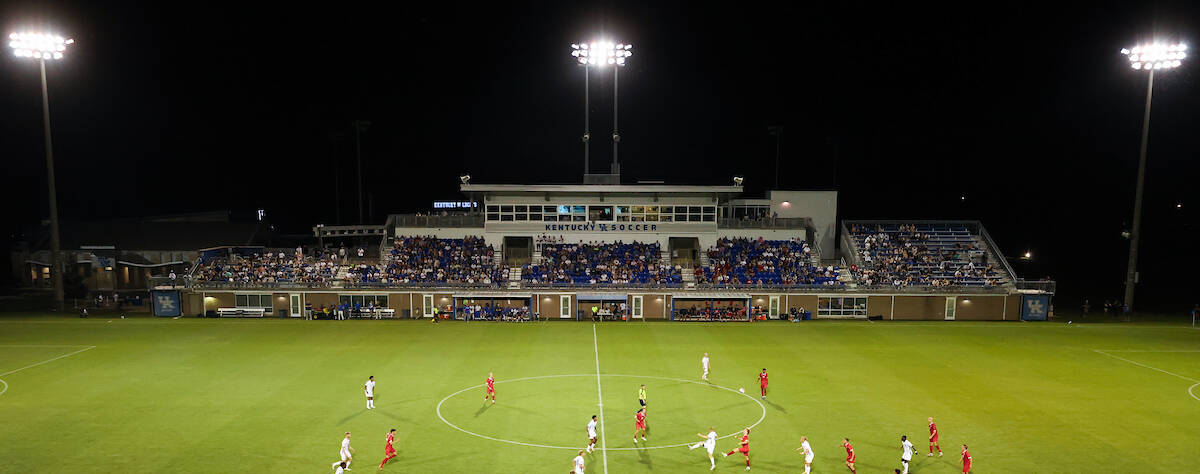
1026 109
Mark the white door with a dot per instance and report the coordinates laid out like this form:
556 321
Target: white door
427 306
564 306
636 312
773 309
296 306
951 303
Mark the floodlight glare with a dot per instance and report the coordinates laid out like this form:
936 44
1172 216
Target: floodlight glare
609 53
41 46
1155 56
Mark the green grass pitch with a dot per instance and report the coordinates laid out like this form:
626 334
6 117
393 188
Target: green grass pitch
191 395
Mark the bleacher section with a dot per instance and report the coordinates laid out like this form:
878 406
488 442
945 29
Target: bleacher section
600 264
903 254
746 262
265 267
428 260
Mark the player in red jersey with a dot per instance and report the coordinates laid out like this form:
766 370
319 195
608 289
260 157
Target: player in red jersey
389 451
744 448
966 460
850 456
933 438
762 383
639 425
491 389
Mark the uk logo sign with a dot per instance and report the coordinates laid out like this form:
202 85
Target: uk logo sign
166 303
1035 307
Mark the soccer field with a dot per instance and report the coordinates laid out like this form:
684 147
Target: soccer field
195 395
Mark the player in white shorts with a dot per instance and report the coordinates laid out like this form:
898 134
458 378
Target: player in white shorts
577 464
369 390
591 431
346 453
710 444
339 468
806 450
704 363
907 455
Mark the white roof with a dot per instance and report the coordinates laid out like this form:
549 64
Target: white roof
597 188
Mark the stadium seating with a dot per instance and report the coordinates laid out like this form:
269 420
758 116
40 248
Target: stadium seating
599 264
266 267
467 261
741 262
920 254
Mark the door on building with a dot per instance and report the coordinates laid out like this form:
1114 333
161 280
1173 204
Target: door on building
636 310
518 250
685 251
564 306
427 309
951 303
773 308
296 306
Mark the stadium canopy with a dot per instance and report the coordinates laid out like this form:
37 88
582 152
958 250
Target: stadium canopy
601 296
481 295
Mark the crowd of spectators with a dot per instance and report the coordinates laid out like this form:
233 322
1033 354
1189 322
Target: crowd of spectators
466 261
904 255
712 313
595 263
743 261
268 267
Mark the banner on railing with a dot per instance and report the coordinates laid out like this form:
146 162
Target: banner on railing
1035 307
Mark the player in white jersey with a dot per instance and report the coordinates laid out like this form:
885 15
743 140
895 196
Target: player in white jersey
806 450
577 464
346 453
710 444
704 363
369 390
907 455
591 432
339 468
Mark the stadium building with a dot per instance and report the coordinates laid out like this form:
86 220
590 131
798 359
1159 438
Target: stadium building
622 252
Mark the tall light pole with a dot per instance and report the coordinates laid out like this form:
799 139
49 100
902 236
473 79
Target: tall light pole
1154 57
44 47
359 126
600 54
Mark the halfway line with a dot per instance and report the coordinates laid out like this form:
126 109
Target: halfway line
600 396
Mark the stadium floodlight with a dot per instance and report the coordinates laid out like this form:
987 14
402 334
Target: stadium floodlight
1153 57
44 47
466 178
600 53
737 180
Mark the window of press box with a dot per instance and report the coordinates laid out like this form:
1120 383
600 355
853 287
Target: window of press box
564 209
549 218
506 208
578 209
493 208
521 208
622 210
506 217
493 217
521 217
600 213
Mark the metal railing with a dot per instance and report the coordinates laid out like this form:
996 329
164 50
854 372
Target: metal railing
1047 286
764 223
602 286
423 285
412 220
226 285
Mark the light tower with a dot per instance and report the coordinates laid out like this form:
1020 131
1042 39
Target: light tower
600 54
45 47
1152 58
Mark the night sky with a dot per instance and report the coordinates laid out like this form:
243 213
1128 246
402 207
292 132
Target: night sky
1027 111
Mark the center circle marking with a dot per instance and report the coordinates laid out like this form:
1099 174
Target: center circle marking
535 445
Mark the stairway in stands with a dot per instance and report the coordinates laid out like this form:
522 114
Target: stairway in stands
994 260
514 278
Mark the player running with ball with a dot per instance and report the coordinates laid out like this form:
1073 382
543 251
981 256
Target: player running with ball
744 448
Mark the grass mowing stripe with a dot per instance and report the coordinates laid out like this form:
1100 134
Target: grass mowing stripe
47 361
600 395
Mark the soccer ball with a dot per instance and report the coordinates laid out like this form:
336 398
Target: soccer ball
742 390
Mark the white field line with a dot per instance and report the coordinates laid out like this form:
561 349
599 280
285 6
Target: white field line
438 410
1191 389
600 396
47 361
